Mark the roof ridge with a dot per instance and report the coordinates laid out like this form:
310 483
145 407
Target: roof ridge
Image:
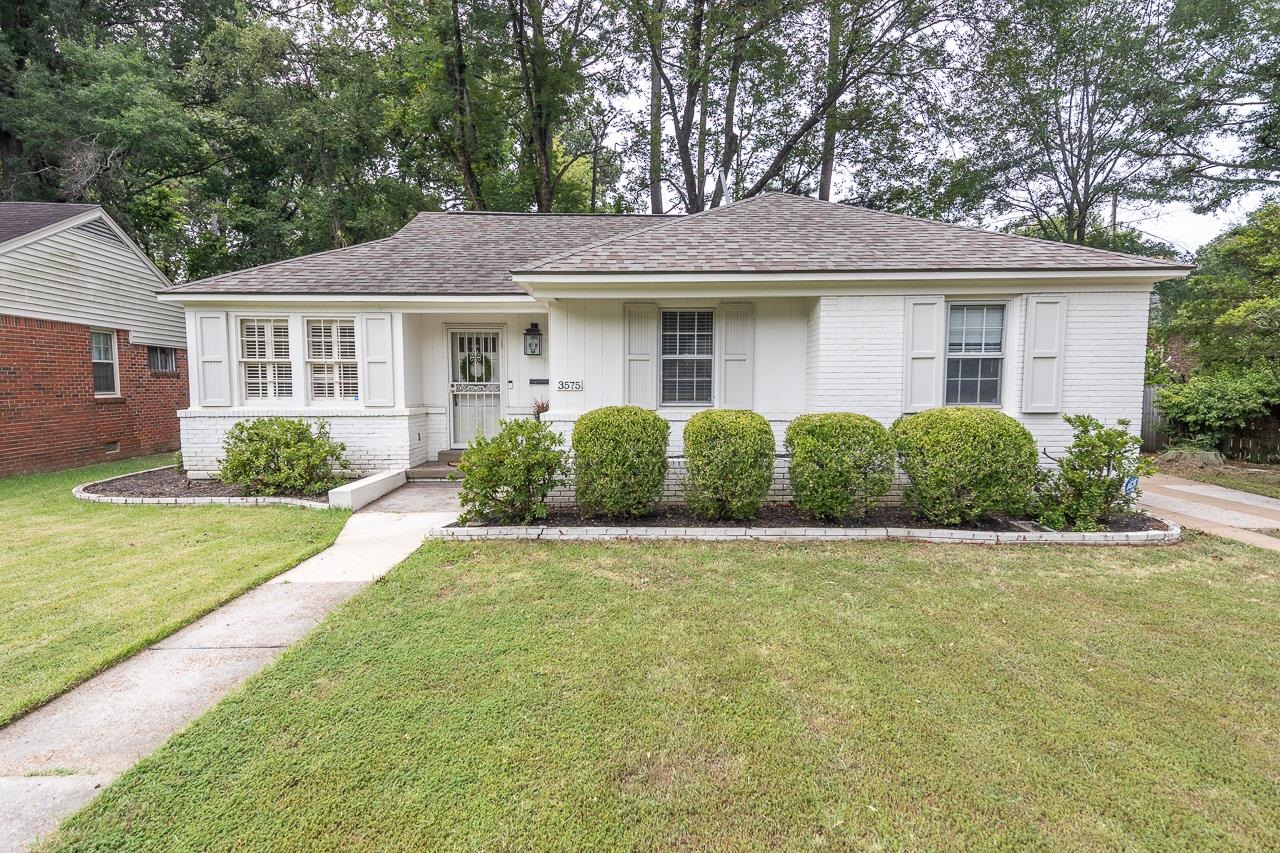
978 230
537 213
673 220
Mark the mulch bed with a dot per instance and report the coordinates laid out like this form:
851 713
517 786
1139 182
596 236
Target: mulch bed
170 483
787 515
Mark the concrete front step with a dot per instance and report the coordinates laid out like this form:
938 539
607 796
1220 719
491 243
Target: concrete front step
431 471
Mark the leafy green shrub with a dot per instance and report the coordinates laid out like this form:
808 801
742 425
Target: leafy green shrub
840 463
729 454
619 460
506 479
965 462
1089 481
178 463
278 456
1204 409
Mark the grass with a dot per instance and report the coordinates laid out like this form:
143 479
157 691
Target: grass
83 585
745 696
1257 477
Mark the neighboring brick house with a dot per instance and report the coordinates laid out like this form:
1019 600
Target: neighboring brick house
413 345
92 365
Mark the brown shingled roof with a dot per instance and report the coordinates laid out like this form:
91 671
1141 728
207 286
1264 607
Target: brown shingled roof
19 218
783 233
458 253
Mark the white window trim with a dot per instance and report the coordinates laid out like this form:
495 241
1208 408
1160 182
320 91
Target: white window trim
947 355
714 358
115 362
307 361
241 383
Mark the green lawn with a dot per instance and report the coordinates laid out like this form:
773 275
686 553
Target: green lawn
1256 477
551 696
83 585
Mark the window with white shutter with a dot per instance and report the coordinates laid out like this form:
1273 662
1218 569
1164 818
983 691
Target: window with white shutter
331 359
265 367
975 355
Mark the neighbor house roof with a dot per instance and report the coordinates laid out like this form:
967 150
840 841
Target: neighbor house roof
457 253
20 218
784 233
475 253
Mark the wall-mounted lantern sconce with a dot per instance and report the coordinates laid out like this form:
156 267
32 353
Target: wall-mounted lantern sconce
533 340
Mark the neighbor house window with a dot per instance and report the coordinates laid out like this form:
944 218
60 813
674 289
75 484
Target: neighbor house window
102 347
264 358
162 359
975 354
331 359
688 349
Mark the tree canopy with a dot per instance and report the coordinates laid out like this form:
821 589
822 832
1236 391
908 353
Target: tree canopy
228 133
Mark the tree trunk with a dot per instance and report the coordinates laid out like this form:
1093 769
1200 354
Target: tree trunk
466 142
531 54
655 136
834 24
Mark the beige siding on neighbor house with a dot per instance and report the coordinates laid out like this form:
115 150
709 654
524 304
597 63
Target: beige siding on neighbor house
78 277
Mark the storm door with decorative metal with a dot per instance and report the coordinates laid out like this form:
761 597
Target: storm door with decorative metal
475 389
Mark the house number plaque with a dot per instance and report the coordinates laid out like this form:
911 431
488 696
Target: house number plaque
569 385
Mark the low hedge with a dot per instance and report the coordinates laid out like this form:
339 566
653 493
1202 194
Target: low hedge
506 479
729 454
619 460
840 463
281 456
965 462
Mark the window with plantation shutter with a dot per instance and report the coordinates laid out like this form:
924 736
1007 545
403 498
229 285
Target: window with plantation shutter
266 371
331 359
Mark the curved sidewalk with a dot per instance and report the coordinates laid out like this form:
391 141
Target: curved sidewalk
55 759
1229 513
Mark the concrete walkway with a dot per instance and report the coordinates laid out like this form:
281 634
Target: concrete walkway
55 759
1229 513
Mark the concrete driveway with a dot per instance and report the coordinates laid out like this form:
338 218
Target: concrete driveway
1230 513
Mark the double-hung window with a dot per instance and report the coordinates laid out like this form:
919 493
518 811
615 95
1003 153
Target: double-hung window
331 359
687 355
264 358
975 354
102 346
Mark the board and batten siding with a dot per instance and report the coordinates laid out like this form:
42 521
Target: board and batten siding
78 275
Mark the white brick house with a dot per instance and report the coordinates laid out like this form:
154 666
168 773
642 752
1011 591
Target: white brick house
412 345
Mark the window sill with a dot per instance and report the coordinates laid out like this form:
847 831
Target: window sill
108 399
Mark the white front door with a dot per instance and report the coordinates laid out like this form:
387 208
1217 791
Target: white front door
475 384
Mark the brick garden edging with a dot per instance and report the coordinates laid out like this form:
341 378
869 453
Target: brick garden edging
79 492
814 534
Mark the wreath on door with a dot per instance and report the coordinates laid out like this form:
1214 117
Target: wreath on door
475 367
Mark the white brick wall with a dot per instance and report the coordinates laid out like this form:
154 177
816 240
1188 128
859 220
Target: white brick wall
376 440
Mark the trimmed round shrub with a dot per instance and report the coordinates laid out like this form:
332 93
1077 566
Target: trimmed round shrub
506 479
965 462
729 454
840 463
281 456
619 460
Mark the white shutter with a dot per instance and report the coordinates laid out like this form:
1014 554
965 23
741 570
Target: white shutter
926 358
213 362
377 360
640 330
1046 332
737 335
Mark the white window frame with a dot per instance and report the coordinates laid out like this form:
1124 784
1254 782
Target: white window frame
244 361
114 362
172 355
334 362
713 358
1003 355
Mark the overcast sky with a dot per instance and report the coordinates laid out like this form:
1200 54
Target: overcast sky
1186 230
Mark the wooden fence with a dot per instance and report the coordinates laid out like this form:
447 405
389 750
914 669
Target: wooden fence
1154 435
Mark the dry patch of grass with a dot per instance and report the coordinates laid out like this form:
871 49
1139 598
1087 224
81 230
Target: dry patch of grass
1256 477
742 696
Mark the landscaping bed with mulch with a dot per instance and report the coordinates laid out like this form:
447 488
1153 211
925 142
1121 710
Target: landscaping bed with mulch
172 483
789 516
